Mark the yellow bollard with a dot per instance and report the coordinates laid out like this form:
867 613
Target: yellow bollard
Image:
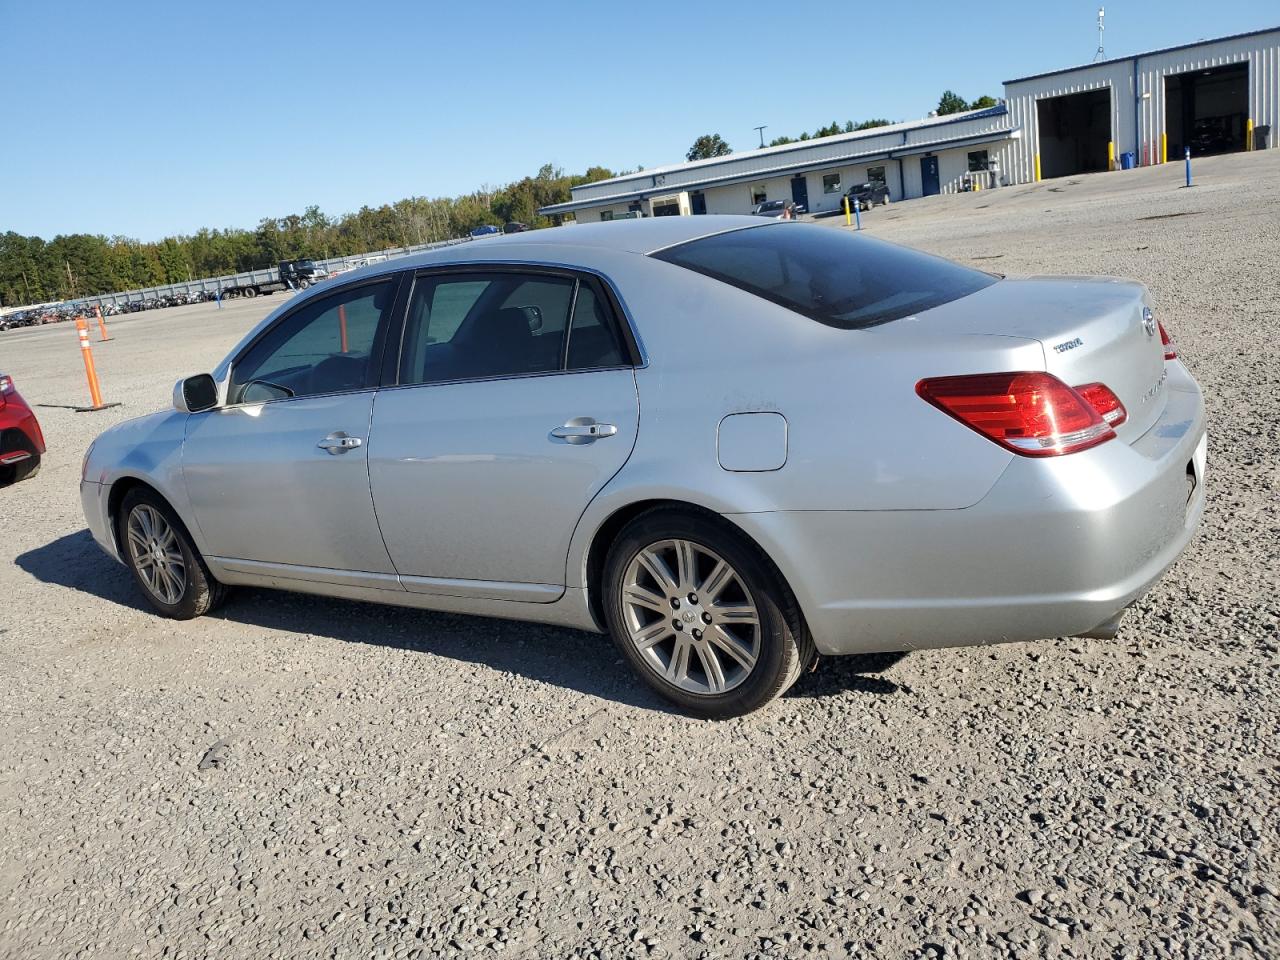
1037 168
1164 147
847 220
1248 134
1111 155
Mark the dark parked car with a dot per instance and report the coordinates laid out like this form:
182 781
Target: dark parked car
868 194
776 208
488 230
515 226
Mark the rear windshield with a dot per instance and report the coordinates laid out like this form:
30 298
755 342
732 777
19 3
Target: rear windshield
829 274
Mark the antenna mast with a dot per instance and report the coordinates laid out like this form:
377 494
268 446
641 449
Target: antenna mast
1100 55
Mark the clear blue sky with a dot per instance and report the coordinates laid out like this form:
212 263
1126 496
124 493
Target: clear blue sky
146 119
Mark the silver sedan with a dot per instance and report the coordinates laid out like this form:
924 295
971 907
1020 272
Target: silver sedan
732 445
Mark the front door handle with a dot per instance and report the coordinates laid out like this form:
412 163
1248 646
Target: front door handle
339 442
584 430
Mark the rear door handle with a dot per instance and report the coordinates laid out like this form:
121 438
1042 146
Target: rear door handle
583 430
339 442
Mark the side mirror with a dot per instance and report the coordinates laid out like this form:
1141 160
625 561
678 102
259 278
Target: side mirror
194 394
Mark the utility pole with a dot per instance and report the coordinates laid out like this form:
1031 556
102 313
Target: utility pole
1101 54
26 285
71 280
760 130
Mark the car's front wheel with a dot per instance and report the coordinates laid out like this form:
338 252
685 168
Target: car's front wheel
164 562
704 619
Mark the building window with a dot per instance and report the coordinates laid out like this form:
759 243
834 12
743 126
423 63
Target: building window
977 161
875 175
831 183
606 215
758 195
665 206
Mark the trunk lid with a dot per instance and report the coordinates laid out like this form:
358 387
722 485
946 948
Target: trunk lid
1091 330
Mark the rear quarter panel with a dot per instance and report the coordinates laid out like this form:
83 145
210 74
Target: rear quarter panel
858 436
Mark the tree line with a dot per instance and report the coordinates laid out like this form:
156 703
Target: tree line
33 270
713 145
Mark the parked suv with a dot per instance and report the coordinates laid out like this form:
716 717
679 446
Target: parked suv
868 194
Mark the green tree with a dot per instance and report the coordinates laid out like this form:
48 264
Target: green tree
708 145
951 102
983 102
872 124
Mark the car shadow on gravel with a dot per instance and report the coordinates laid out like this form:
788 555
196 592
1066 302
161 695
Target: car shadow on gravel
576 660
859 673
77 562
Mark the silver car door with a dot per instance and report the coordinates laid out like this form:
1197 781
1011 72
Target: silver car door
278 476
483 460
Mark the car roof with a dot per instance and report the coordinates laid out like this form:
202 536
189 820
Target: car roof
645 235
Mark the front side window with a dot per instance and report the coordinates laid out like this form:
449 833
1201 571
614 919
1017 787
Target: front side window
838 278
876 175
831 183
326 346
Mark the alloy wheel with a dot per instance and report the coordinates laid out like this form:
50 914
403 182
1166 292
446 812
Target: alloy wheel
690 617
156 554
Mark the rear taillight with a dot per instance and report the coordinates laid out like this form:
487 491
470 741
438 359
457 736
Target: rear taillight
1033 414
1170 348
1108 405
6 388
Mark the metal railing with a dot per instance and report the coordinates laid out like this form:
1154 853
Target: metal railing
265 275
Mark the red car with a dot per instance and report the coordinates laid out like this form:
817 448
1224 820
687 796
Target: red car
21 442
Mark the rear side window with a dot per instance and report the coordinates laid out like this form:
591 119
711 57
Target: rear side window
470 326
828 274
593 340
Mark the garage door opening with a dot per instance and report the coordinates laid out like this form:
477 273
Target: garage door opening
1074 132
1206 110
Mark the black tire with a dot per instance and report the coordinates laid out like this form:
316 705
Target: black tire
200 591
786 648
250 292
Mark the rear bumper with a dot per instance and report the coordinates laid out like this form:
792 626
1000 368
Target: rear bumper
16 416
1058 546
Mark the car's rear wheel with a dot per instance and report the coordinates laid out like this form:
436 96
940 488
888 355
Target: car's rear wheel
704 619
164 562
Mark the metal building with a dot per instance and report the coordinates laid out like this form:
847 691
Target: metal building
923 157
1213 96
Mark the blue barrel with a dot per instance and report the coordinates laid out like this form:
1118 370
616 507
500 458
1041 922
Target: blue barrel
1128 160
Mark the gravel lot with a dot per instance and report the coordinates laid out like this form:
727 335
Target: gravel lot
388 783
